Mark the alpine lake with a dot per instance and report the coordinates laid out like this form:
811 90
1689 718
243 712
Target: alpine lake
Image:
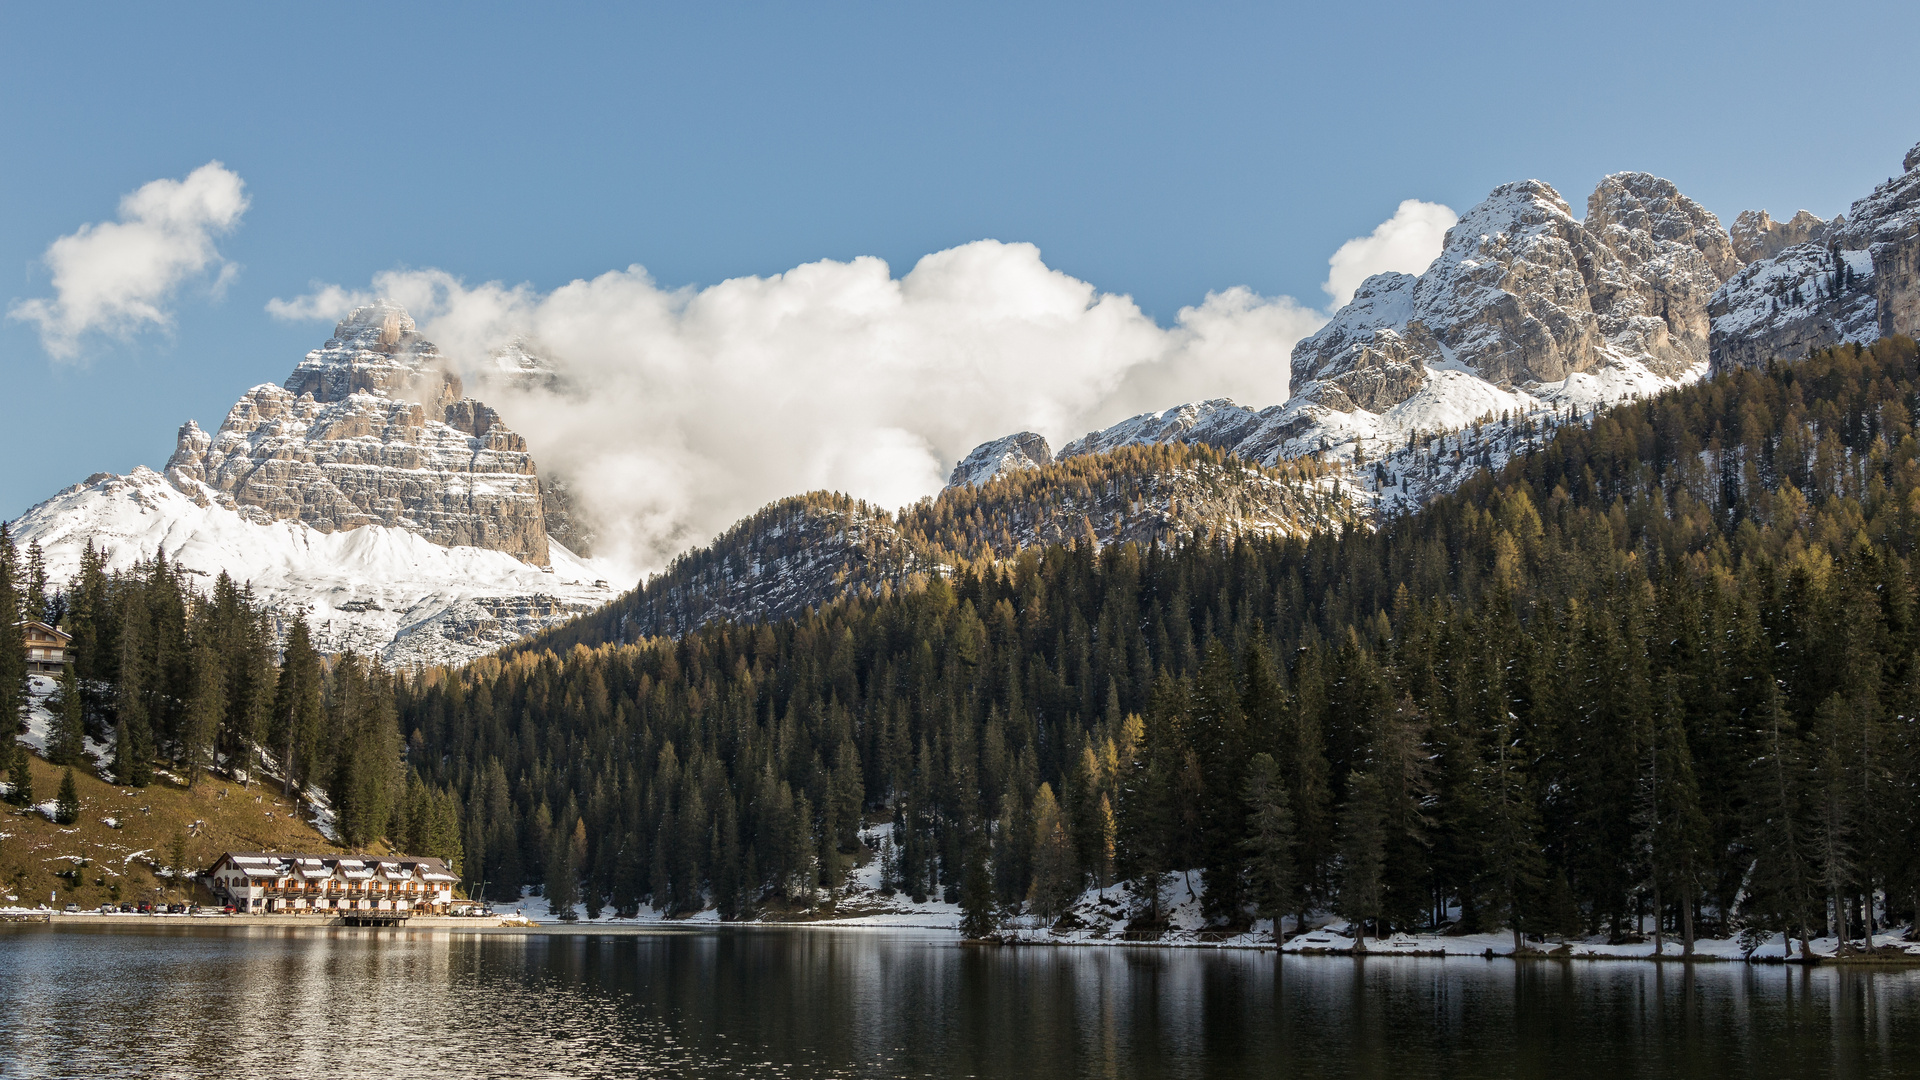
195 1001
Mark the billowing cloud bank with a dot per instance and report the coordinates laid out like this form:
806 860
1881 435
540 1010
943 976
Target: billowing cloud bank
117 277
1407 243
679 410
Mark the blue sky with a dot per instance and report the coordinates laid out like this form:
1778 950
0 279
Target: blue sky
1156 151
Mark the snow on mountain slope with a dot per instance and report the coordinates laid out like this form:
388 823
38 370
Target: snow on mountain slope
375 589
1527 316
1852 279
990 461
367 495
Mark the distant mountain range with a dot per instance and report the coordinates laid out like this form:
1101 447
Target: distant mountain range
369 495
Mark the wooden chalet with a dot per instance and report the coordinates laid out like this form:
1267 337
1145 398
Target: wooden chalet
46 647
263 882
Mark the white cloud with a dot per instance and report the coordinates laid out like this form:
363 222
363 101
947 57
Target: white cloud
325 302
685 409
117 276
681 410
1407 242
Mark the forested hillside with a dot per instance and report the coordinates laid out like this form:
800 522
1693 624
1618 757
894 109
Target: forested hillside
1664 663
178 680
810 549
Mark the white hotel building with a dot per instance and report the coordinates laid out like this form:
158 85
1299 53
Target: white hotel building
265 881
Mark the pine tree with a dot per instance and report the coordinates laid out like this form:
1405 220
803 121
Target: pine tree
67 805
1269 843
1056 874
20 772
1363 842
979 918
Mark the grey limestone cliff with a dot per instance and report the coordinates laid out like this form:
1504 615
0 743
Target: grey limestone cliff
372 428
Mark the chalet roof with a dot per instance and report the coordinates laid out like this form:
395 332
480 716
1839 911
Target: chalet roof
265 864
51 631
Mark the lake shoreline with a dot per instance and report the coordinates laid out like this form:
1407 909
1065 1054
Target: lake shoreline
1890 953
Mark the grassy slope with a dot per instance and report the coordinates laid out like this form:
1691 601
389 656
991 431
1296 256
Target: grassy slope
215 815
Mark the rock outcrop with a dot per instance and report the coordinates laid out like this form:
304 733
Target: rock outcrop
1854 279
991 460
372 429
1523 295
1757 236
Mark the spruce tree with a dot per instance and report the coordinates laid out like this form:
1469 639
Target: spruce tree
1363 842
1509 840
1269 842
979 916
21 772
563 878
13 648
67 806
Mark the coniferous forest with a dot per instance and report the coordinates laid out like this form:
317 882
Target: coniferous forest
183 681
1664 665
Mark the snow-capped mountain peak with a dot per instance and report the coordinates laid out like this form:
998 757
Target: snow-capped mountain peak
366 494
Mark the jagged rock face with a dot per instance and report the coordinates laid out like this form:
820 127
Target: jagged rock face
1854 280
1220 422
376 350
991 460
565 524
1524 294
1807 297
1757 236
372 430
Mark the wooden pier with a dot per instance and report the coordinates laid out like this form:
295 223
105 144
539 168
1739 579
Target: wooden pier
373 918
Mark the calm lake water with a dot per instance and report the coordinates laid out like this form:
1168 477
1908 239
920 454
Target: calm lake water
814 1003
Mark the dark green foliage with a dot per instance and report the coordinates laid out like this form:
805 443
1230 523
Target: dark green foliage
20 771
979 914
1273 881
66 805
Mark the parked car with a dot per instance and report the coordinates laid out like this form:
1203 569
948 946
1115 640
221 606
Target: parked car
145 908
72 909
127 908
229 910
176 909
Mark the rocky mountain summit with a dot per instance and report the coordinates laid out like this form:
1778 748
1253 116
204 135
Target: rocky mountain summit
366 494
992 460
1528 315
372 429
1757 236
1524 296
1854 279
